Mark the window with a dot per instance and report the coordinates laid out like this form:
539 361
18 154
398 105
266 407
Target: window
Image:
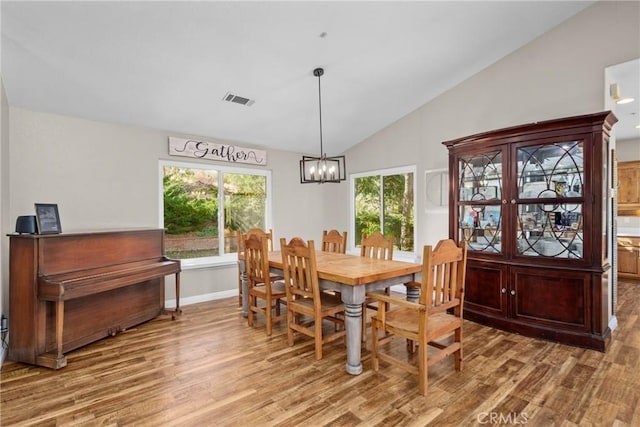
204 206
384 201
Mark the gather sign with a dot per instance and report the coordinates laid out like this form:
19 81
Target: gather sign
213 151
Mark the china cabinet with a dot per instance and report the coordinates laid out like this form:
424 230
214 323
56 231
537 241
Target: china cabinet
531 202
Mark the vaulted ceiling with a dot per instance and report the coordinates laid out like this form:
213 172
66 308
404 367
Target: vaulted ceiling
170 65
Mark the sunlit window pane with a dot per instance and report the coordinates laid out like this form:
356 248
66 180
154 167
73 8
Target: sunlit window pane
385 202
245 200
191 208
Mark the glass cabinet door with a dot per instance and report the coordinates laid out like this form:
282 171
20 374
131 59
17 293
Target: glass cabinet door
550 200
480 201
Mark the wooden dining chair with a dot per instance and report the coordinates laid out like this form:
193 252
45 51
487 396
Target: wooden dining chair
307 306
240 238
437 315
379 247
261 286
333 241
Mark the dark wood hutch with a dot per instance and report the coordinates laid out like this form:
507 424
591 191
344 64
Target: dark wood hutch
532 203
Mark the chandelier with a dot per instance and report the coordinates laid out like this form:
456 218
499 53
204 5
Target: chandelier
322 169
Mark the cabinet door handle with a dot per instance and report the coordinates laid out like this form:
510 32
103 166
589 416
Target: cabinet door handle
504 290
504 201
513 201
513 292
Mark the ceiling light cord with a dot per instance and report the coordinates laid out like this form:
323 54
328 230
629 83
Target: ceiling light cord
319 72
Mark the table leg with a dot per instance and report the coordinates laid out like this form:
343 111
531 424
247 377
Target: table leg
353 326
245 293
353 297
413 294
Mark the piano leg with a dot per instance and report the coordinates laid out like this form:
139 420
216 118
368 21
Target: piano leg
59 326
58 360
178 311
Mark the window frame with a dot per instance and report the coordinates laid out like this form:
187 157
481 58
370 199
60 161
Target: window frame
223 259
397 254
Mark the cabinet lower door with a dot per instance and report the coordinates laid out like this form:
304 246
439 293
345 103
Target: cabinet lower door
553 299
486 289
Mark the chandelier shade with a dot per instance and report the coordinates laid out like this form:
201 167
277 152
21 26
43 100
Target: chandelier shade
322 169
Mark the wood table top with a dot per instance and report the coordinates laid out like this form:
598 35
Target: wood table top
352 269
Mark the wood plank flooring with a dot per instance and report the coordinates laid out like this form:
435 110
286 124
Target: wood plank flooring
210 369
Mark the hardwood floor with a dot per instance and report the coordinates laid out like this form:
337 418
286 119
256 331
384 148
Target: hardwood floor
209 368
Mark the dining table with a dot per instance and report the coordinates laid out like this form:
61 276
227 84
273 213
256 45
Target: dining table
353 276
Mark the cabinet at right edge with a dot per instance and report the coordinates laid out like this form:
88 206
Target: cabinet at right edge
629 188
629 257
531 202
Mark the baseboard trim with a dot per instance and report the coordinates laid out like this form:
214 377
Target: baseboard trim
3 355
201 298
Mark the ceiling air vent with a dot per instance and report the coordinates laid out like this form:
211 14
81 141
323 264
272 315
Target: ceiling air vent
238 99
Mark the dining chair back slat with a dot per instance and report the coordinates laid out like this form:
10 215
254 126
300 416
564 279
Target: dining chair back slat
257 263
333 241
377 246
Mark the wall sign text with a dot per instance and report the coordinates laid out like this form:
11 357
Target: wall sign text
214 151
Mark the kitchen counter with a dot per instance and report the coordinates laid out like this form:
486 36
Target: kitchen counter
628 232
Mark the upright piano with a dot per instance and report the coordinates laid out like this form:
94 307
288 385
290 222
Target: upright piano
68 290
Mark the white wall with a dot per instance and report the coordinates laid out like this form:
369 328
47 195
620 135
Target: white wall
559 74
628 150
106 176
4 206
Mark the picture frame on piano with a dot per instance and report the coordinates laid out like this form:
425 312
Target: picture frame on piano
48 218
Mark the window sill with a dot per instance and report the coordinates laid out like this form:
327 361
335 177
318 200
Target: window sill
407 257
